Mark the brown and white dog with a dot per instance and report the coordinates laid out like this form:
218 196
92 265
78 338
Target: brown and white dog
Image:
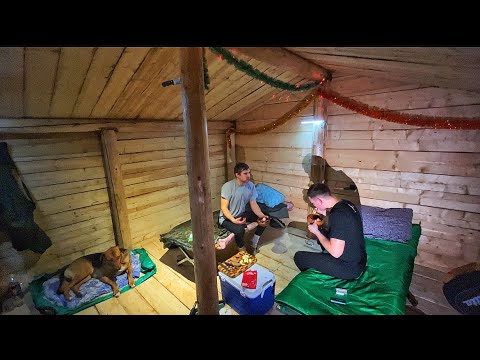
102 266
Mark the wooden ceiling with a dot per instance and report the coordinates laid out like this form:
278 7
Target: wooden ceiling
119 83
454 68
125 83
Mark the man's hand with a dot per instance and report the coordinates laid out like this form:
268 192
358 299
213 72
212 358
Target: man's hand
240 220
263 221
313 228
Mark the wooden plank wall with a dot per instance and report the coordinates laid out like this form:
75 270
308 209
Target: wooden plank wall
434 172
281 157
66 177
155 178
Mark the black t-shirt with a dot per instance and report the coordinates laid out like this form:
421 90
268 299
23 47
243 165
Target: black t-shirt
345 223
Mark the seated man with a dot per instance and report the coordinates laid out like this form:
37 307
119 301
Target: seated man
347 257
239 206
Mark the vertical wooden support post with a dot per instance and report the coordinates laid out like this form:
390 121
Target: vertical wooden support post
318 166
319 137
231 158
116 193
198 169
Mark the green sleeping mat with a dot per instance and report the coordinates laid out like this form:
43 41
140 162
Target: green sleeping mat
381 289
47 301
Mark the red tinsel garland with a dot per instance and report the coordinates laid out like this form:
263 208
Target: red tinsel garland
436 122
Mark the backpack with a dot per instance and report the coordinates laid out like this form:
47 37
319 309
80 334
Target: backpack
463 293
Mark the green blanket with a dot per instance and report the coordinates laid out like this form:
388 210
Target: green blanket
42 303
381 289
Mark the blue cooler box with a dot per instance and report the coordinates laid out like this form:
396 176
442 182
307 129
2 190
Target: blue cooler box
249 301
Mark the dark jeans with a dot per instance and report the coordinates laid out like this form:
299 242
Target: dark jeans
239 230
327 264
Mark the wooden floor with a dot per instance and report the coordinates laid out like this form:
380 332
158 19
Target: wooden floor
427 286
169 292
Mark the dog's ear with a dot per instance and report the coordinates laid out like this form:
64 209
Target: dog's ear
111 253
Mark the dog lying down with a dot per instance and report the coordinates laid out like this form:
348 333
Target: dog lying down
104 266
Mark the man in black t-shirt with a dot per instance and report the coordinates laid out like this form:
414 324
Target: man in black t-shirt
345 244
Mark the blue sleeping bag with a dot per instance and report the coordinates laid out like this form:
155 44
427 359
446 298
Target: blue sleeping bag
269 196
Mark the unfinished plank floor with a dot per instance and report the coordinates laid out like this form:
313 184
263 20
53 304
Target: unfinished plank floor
170 293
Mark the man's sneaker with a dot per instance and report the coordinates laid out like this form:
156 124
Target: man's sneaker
256 251
314 245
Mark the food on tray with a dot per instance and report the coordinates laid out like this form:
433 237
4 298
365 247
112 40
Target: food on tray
237 264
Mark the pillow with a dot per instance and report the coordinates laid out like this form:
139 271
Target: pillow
393 224
269 196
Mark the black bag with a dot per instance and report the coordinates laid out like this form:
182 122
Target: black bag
463 293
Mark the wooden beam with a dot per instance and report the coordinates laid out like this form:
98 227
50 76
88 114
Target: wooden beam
32 135
231 157
318 165
116 193
195 125
319 138
58 126
282 58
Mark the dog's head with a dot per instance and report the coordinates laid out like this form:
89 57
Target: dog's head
113 257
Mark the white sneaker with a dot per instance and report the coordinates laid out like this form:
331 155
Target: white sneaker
313 245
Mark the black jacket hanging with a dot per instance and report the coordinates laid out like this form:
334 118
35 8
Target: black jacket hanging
16 210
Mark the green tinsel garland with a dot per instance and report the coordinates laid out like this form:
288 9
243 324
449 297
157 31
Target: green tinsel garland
250 70
206 78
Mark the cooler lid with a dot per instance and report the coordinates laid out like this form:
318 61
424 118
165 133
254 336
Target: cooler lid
265 279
